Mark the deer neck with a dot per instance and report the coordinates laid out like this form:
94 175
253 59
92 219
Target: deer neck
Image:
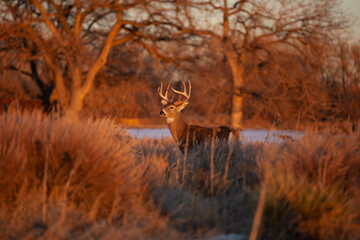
177 126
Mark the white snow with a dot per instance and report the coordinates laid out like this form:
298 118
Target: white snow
249 135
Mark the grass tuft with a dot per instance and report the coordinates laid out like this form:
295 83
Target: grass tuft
91 180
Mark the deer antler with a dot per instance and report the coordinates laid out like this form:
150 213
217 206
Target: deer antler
160 90
184 93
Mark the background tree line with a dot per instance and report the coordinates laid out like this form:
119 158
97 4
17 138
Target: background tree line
248 60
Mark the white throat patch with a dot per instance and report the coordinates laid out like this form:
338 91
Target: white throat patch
169 120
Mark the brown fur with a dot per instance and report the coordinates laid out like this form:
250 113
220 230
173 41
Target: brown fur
198 134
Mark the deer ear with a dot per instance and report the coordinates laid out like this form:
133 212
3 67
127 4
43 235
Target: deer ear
183 105
163 102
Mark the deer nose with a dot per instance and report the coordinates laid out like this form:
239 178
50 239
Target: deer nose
162 113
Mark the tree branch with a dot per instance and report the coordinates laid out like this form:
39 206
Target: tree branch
101 59
48 23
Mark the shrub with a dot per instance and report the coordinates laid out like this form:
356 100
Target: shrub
89 179
314 188
63 179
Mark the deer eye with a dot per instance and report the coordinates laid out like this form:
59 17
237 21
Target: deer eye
171 108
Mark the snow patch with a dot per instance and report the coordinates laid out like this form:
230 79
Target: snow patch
249 135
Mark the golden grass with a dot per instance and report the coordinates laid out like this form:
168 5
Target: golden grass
90 180
60 179
315 186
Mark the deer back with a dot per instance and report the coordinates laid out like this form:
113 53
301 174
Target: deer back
196 135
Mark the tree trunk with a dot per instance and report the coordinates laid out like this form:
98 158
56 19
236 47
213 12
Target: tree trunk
237 111
78 94
60 88
237 70
81 85
76 104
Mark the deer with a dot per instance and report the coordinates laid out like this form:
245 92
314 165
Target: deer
186 135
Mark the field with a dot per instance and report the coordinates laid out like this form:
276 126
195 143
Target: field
91 180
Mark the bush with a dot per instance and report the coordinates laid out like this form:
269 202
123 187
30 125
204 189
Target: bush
89 179
65 180
314 188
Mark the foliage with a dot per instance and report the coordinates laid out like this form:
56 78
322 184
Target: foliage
255 58
69 180
317 179
89 179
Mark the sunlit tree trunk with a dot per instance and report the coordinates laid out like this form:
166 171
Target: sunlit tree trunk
237 70
81 84
76 104
61 91
237 106
77 93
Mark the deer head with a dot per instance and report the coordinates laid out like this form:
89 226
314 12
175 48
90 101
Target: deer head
171 110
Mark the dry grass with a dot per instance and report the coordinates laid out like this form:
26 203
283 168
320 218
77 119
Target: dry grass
315 188
90 180
70 180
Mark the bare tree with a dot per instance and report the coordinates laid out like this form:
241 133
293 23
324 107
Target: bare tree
71 40
341 73
254 27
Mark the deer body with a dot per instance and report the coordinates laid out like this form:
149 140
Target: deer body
187 135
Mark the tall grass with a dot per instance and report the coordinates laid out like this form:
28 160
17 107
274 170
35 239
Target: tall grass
90 180
315 188
61 180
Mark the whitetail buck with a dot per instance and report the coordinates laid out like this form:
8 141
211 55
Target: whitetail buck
187 135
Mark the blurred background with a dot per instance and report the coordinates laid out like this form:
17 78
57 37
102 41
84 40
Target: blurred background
249 61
